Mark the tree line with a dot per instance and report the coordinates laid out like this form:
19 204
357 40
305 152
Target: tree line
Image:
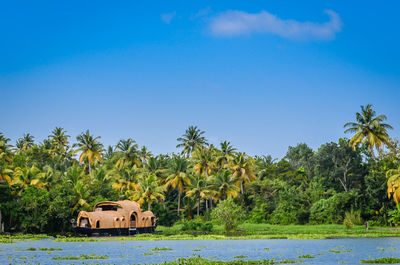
44 185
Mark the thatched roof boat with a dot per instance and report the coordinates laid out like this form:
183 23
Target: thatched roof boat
116 218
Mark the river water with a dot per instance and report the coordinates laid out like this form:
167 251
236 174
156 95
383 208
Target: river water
326 251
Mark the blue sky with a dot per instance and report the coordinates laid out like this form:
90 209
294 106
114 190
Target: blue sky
259 74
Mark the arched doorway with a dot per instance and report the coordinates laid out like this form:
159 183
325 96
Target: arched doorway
133 220
98 224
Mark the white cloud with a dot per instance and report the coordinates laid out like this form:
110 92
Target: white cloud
235 23
167 17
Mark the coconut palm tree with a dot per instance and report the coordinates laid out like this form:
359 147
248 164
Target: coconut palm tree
393 184
82 194
149 190
5 149
73 175
368 128
225 154
27 176
191 140
178 177
223 185
26 142
203 159
90 148
198 190
243 170
126 178
144 154
127 153
59 140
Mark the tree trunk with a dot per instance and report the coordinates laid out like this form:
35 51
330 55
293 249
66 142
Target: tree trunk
179 202
90 169
241 187
211 206
198 208
148 205
206 205
1 224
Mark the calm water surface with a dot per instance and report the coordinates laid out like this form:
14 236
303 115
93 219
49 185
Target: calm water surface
134 252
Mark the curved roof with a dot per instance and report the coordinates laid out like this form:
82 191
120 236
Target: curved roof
125 205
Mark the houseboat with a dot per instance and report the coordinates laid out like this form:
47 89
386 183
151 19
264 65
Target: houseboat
115 218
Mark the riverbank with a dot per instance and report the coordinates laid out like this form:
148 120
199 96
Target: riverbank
246 231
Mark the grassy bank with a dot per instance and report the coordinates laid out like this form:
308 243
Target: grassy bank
246 231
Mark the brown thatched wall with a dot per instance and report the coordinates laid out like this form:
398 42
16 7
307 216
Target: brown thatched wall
118 217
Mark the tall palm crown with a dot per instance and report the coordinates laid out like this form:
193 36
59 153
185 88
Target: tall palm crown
191 140
144 154
203 160
368 128
225 154
127 153
243 169
5 149
148 190
223 185
59 139
90 148
177 176
26 142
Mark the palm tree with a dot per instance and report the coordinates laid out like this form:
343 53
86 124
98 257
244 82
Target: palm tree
368 128
223 185
81 193
177 176
393 184
225 154
90 149
144 154
203 159
148 190
243 170
197 189
25 177
191 140
5 149
127 153
73 175
59 140
126 178
26 142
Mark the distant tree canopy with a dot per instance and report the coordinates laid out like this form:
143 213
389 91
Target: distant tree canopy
43 185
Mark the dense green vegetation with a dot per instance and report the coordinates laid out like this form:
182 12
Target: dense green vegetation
389 260
44 185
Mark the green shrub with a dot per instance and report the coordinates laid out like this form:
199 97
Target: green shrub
331 210
352 218
227 213
197 226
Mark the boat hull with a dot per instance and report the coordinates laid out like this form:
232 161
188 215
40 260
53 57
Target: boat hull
114 231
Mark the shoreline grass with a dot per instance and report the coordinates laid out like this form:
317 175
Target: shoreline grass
246 231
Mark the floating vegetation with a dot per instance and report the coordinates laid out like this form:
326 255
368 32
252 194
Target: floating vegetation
287 261
196 249
27 249
267 249
77 239
241 257
386 249
389 260
50 249
308 256
340 250
138 246
82 256
147 254
160 249
200 260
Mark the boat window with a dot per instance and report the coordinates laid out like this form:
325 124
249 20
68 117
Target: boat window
107 207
